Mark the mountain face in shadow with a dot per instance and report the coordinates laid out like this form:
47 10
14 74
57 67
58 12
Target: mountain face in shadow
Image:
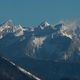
51 70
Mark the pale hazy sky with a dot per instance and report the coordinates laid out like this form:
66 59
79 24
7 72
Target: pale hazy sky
29 12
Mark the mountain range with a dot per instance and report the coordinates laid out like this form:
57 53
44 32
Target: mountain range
40 48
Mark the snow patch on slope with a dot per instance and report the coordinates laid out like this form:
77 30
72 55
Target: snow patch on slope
38 41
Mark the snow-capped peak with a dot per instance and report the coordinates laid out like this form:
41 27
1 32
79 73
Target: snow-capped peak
63 28
8 26
8 23
44 24
19 31
65 32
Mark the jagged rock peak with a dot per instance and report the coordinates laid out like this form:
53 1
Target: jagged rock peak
45 24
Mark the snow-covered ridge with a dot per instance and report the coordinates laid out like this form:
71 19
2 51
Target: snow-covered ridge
9 27
22 70
67 29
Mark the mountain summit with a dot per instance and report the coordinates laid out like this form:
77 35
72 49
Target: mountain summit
44 24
